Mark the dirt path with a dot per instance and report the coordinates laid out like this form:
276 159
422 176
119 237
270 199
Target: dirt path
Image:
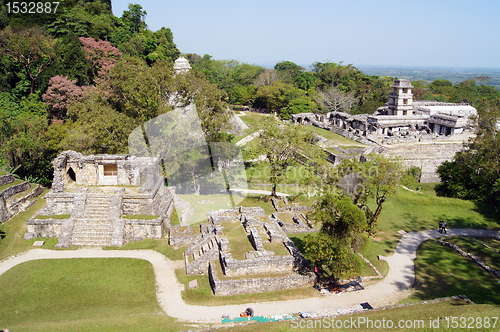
394 287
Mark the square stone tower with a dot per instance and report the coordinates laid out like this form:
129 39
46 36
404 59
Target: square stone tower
401 98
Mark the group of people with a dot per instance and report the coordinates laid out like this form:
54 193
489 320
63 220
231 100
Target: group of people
442 226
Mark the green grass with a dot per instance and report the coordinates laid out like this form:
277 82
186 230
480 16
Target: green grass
491 242
420 211
81 294
440 271
489 256
140 216
161 246
239 243
2 172
253 121
201 210
13 230
262 201
425 312
54 216
174 218
333 139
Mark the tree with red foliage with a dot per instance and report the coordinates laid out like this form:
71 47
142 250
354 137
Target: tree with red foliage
60 93
102 55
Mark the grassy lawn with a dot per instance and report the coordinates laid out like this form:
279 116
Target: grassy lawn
13 230
55 216
333 139
161 246
440 271
418 211
491 242
202 204
82 294
489 256
174 218
421 312
239 243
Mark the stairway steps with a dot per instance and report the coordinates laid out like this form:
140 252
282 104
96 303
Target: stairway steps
94 228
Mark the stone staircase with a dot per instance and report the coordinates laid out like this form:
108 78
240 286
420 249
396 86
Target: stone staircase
95 227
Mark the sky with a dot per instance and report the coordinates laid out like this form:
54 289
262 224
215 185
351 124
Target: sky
423 33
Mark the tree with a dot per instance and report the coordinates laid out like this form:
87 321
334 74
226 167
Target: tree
22 128
376 178
277 96
288 70
297 106
342 227
60 93
333 99
29 47
474 171
284 146
267 77
101 54
134 17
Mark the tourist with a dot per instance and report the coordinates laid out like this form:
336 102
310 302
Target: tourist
444 227
440 226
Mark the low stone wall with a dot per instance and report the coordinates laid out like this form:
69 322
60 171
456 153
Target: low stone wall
6 209
257 285
46 228
138 229
135 204
58 203
181 239
268 264
256 240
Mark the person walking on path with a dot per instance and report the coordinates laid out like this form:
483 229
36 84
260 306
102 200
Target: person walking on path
444 227
440 226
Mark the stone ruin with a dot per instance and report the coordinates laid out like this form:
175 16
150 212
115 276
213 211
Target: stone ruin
16 197
402 128
92 196
209 251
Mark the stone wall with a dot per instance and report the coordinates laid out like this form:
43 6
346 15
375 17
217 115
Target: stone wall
46 228
6 208
138 229
426 156
6 179
267 264
177 238
257 285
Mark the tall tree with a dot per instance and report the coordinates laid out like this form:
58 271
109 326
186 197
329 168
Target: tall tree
134 17
342 227
31 48
285 146
475 172
334 99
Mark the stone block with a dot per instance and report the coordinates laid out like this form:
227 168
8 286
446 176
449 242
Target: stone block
38 243
193 284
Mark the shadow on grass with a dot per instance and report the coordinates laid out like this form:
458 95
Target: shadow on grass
490 212
442 272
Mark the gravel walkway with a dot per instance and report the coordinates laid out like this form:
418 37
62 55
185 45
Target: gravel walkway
390 290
